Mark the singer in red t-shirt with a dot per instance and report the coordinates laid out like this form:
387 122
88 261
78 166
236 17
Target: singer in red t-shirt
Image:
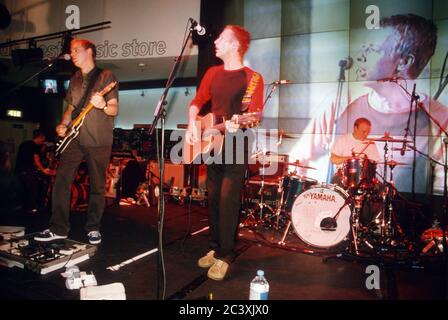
225 86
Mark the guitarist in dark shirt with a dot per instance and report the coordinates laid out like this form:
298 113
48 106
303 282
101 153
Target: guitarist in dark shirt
93 143
226 86
29 168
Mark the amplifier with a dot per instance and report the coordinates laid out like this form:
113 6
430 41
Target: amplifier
265 158
253 194
271 166
174 175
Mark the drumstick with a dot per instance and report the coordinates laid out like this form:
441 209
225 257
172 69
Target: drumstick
364 149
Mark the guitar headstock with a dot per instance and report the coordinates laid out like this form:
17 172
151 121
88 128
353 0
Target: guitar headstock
247 120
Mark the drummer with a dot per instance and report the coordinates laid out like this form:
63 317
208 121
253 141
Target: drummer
354 145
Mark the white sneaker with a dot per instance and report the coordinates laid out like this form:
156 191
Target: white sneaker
47 235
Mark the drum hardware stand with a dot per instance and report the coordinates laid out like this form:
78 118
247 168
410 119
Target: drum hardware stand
330 223
387 203
281 190
282 241
260 206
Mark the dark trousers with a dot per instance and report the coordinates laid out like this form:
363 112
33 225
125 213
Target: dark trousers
97 159
224 184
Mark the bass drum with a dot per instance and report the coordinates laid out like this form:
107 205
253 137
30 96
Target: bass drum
314 205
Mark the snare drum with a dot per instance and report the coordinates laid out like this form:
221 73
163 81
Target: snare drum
359 172
314 205
293 186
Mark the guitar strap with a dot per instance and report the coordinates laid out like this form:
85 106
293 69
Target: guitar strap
247 98
89 87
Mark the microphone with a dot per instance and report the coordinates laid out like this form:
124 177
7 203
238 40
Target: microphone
278 82
280 140
346 63
196 26
403 148
64 56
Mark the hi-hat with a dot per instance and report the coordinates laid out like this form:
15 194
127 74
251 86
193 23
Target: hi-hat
297 164
394 163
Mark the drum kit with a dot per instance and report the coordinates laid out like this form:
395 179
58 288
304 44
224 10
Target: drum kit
356 209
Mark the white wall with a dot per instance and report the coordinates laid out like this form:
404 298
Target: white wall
137 109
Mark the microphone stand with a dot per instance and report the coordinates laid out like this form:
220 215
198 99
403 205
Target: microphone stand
406 133
35 75
343 65
414 99
160 115
443 79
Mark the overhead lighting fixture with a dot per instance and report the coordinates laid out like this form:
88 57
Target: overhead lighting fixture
14 113
142 66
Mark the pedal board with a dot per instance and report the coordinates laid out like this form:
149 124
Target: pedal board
43 257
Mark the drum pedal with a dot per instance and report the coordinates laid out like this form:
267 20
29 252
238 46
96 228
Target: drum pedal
328 224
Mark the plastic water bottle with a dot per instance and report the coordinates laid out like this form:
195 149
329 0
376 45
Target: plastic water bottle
259 287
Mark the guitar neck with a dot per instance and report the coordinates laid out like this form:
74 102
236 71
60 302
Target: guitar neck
89 107
220 126
241 121
81 116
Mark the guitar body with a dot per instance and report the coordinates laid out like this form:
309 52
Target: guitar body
212 136
211 139
75 126
64 142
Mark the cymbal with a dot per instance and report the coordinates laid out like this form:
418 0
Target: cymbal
275 133
400 149
297 164
394 163
387 139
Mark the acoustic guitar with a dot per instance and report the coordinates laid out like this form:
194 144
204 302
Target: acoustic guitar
212 134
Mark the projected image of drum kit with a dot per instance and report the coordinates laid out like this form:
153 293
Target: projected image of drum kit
356 210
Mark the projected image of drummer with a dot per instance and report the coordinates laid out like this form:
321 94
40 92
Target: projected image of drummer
355 156
388 63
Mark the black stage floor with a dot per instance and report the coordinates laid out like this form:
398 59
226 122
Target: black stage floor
294 271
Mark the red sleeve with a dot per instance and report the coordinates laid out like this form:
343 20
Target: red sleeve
256 104
203 94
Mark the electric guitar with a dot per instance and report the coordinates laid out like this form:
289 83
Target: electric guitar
212 134
74 127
